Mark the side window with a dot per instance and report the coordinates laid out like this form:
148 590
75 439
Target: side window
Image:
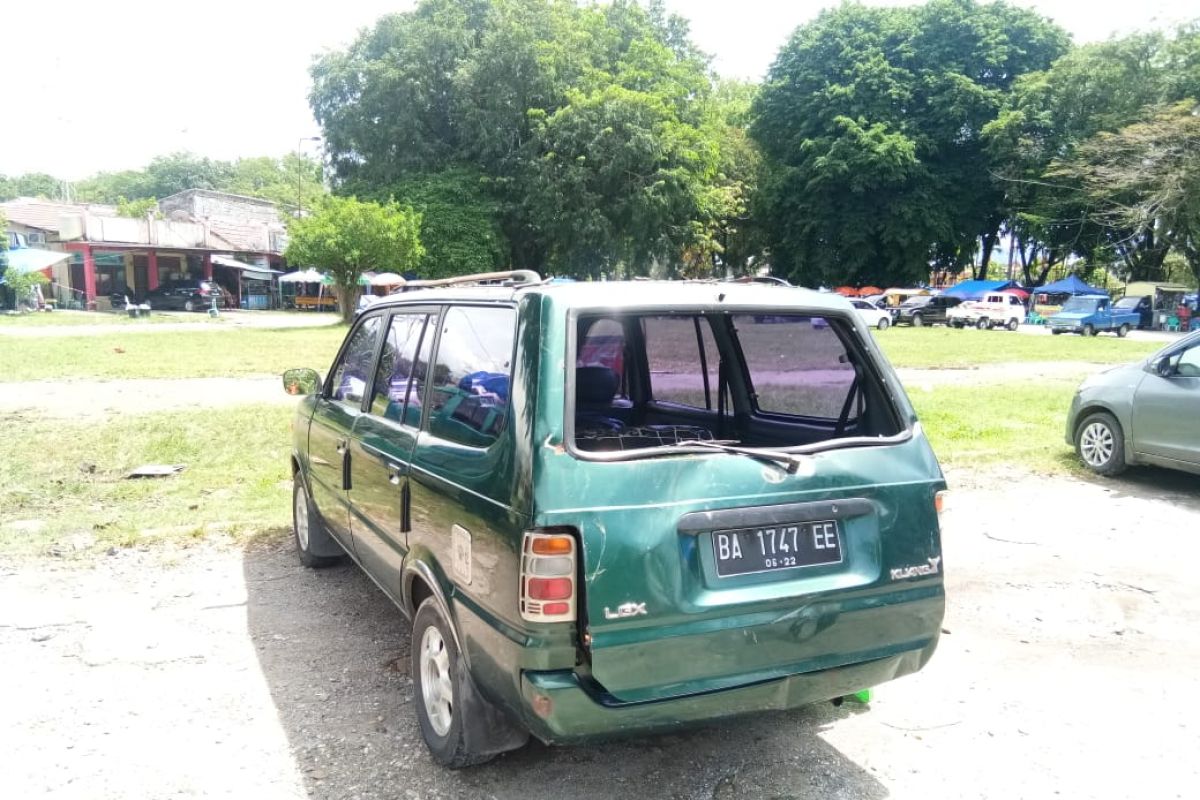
469 401
393 392
683 360
1187 364
798 365
354 369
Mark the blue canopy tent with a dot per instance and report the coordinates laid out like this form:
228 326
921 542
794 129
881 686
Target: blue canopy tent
1071 285
31 259
975 290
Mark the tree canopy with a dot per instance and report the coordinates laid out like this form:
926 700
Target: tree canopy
345 237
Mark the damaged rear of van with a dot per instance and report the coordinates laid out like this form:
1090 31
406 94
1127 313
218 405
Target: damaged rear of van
755 506
619 508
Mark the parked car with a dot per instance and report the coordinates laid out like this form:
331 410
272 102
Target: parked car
699 517
872 315
1141 413
188 294
1142 306
1091 315
999 309
925 310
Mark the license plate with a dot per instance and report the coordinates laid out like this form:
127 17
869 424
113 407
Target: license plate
804 544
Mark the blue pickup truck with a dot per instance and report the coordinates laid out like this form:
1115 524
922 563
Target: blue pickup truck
1090 315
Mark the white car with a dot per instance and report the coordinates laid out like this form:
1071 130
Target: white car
872 316
995 310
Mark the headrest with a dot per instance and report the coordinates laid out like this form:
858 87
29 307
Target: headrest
595 384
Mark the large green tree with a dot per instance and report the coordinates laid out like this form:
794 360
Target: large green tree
587 125
872 120
345 237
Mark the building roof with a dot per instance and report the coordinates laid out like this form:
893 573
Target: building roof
46 214
240 198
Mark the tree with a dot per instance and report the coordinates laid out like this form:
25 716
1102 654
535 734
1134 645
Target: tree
346 237
587 125
31 184
1145 178
871 122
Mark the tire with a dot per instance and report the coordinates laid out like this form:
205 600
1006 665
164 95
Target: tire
1054 332
956 323
439 683
1013 324
917 321
983 324
308 531
1121 331
1100 444
1089 330
883 324
189 305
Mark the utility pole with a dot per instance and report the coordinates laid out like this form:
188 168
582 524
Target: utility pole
300 171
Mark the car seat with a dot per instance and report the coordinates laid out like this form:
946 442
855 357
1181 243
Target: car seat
595 388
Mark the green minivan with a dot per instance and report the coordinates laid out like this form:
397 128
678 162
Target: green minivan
614 508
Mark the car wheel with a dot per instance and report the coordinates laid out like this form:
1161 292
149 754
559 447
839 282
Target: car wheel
440 684
1055 331
917 321
188 305
308 529
983 324
1089 330
1013 324
1100 444
1121 331
884 322
956 323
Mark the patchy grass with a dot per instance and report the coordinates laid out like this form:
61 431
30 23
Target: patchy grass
1018 424
170 354
941 347
64 482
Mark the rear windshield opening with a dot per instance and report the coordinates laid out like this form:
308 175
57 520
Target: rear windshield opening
775 380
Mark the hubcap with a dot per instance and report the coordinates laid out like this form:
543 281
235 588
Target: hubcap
1096 444
436 690
301 519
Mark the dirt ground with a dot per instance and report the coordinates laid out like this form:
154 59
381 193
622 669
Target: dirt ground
1067 669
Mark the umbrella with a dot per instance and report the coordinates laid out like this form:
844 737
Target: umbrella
302 276
328 280
387 279
846 291
870 290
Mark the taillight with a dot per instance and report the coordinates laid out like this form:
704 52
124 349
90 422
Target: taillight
548 568
939 503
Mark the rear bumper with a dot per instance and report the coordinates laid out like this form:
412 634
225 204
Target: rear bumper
579 713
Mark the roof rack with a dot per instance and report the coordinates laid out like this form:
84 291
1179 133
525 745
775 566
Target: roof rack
515 277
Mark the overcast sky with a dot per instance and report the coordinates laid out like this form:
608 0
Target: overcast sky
108 85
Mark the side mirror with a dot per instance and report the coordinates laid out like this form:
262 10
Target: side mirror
301 381
1164 368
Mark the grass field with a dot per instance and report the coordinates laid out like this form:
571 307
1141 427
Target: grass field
950 348
76 318
173 354
69 477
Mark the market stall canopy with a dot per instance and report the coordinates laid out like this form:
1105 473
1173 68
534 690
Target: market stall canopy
251 272
975 290
34 259
387 279
846 291
1073 286
869 290
302 276
328 280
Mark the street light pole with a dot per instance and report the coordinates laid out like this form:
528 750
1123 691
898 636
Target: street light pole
300 171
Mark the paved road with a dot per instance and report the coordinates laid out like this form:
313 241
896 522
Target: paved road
1067 670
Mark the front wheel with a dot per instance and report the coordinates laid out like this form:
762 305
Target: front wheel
313 542
1121 331
917 321
983 324
1089 330
1100 444
1013 324
956 323
189 305
884 322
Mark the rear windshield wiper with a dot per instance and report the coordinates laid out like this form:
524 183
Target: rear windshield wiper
788 461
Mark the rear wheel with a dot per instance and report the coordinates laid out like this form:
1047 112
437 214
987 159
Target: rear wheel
956 323
1121 331
983 324
1013 324
917 321
883 324
1089 330
189 305
1055 331
1100 444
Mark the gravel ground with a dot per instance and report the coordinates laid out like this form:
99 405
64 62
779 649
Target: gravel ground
1067 669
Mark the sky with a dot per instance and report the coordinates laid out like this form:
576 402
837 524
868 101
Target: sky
96 86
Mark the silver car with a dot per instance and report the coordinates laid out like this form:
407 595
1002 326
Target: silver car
1142 413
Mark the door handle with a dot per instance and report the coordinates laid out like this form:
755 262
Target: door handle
405 508
395 473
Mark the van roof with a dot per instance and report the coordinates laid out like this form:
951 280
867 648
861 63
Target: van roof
631 294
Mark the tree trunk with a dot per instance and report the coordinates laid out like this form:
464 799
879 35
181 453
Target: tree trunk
987 241
347 301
